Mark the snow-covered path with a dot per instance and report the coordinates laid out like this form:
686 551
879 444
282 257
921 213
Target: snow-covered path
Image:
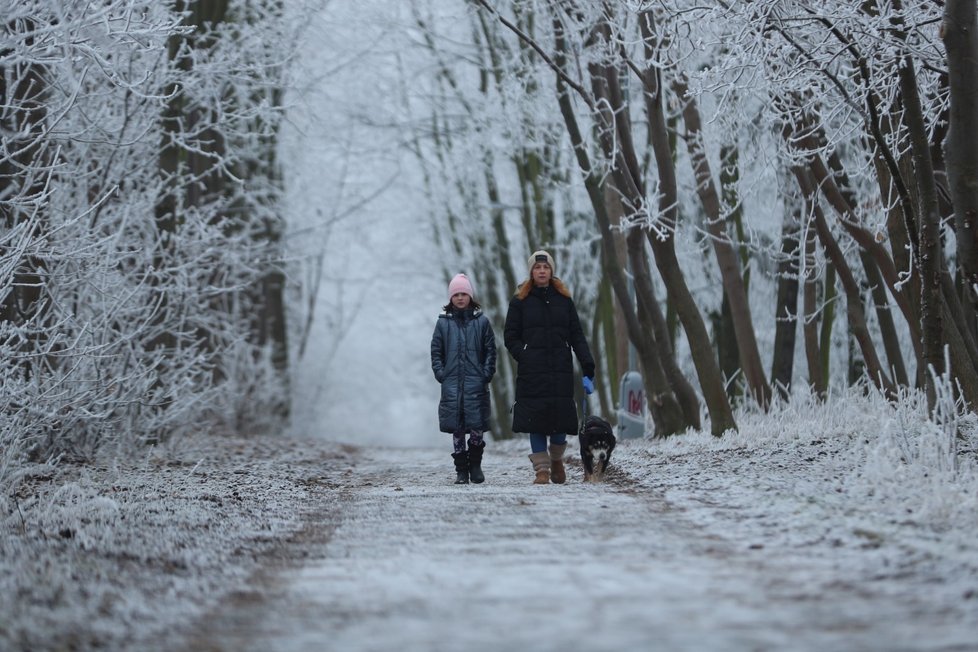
416 563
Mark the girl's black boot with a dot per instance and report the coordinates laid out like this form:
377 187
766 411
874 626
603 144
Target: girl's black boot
475 463
461 467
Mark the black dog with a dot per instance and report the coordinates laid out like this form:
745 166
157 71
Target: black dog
597 442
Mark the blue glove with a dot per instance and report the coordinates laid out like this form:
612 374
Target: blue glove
588 385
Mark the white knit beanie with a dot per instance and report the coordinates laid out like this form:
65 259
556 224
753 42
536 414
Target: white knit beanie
542 257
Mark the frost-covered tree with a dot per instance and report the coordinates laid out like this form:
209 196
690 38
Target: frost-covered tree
803 143
862 96
140 258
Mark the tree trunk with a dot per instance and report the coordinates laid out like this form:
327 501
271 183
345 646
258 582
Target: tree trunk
651 319
495 299
931 255
786 307
681 387
622 351
726 254
854 304
169 205
828 313
841 199
671 411
606 86
816 379
901 248
707 369
929 234
612 118
603 332
960 33
871 251
24 168
728 355
888 332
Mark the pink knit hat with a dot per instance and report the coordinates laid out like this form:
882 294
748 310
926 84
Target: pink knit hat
460 283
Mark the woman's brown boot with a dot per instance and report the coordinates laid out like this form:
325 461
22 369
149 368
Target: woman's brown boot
541 464
557 473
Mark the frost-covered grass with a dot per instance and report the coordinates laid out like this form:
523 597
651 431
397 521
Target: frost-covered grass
116 554
856 481
873 452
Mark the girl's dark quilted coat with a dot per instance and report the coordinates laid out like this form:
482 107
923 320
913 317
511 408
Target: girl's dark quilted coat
463 358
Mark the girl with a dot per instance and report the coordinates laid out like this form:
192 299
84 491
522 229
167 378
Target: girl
463 358
542 328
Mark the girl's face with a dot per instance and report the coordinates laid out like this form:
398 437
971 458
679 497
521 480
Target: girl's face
541 274
461 300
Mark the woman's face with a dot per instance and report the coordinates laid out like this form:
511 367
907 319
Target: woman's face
541 274
461 300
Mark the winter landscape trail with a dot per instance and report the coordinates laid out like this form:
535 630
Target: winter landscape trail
412 562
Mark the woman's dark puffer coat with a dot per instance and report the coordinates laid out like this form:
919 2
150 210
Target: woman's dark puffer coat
540 332
463 358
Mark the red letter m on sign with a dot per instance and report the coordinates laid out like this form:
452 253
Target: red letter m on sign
636 401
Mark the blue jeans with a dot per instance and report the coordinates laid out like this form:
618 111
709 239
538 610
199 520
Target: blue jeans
538 442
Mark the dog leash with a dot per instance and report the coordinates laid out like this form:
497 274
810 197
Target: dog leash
585 404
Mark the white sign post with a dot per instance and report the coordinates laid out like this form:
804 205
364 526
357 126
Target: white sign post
631 410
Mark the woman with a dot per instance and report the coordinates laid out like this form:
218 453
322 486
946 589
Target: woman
542 327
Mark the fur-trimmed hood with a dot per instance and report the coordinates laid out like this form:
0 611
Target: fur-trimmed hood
523 290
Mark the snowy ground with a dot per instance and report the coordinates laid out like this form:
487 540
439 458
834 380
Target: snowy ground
808 536
117 555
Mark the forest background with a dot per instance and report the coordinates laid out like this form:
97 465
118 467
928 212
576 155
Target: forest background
241 216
